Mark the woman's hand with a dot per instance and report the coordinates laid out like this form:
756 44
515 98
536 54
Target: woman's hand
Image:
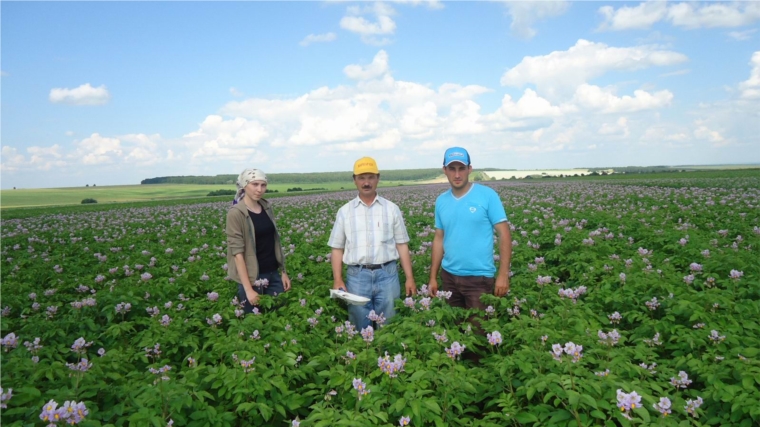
285 281
252 296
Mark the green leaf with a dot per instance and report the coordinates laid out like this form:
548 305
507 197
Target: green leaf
433 406
245 407
590 401
529 394
560 415
526 417
400 404
573 397
265 411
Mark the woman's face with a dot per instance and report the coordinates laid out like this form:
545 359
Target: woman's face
256 189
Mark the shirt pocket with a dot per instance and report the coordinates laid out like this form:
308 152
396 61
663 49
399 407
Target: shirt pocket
386 232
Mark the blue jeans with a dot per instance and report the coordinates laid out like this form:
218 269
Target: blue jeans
274 288
381 286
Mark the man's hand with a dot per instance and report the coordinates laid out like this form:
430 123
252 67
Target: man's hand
252 297
502 286
411 287
339 284
433 285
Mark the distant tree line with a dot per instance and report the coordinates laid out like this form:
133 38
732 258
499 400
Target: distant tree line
301 178
231 192
290 190
641 169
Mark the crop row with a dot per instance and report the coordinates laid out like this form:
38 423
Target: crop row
630 303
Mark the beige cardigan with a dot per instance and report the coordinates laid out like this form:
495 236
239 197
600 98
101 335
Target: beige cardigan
241 238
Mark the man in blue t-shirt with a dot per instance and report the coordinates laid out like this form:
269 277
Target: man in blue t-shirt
465 219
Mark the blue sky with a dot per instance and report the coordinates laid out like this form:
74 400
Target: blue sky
114 92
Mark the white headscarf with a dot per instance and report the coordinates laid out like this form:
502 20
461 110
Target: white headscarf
246 177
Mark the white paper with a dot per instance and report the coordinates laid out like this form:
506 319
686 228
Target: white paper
347 297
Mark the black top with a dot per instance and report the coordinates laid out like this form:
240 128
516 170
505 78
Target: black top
264 231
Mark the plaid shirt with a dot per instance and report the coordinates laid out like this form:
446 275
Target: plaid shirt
368 234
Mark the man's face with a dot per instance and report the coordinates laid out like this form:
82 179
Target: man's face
366 183
458 175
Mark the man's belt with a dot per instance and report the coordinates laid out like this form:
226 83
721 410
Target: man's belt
373 266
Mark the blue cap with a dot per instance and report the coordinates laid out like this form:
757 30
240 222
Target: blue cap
456 154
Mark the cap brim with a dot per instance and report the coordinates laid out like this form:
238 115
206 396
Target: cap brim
455 161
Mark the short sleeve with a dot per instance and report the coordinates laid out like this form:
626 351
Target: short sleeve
400 234
496 213
438 223
338 235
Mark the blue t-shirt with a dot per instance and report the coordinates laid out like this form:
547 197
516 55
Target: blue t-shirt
467 223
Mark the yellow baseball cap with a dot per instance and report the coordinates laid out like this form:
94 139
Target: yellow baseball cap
365 165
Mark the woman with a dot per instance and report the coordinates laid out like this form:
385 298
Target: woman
254 253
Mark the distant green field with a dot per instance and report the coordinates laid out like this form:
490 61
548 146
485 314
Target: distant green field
135 193
12 200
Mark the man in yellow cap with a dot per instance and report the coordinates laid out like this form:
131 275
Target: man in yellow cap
370 237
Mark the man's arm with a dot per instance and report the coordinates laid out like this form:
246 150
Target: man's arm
436 258
505 258
406 265
337 268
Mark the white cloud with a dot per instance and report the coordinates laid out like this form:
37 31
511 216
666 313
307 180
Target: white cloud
605 100
619 128
431 4
565 70
377 112
46 158
529 105
689 15
53 151
742 35
383 25
530 113
465 119
366 112
135 150
712 15
750 88
82 95
4 73
235 92
419 121
661 133
385 141
525 13
318 38
456 92
217 138
39 159
69 133
11 159
701 131
97 150
638 17
141 149
377 68
676 73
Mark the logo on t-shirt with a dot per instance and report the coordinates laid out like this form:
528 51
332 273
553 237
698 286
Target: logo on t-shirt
473 209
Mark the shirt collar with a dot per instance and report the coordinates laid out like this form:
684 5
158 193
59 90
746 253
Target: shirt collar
378 199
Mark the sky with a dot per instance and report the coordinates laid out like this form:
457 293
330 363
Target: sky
110 93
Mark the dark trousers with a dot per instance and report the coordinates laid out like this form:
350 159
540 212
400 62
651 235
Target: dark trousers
274 288
465 293
466 290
